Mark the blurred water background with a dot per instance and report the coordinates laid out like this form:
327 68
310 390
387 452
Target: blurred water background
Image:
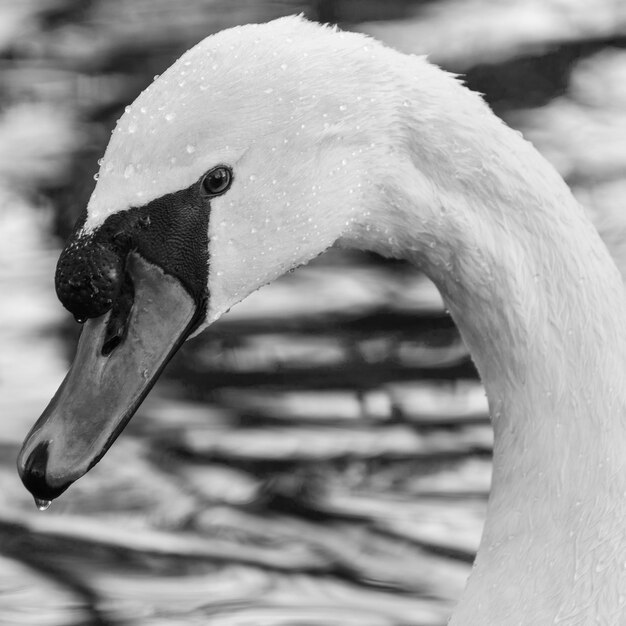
322 454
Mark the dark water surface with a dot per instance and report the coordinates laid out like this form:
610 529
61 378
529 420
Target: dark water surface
322 454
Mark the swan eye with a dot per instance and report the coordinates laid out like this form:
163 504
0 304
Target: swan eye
217 181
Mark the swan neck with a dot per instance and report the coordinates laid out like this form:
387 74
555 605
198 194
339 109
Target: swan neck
540 305
548 342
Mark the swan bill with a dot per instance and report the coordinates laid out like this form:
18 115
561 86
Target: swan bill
115 366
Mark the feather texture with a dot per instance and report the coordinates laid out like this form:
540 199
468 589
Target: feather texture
333 137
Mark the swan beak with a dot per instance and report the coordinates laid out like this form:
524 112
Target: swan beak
104 387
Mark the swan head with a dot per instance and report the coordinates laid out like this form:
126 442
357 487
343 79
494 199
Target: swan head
235 166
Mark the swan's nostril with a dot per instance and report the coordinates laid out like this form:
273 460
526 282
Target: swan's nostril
33 474
117 326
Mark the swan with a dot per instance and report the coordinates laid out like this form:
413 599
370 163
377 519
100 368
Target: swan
266 144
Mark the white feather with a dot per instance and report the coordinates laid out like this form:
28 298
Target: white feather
334 137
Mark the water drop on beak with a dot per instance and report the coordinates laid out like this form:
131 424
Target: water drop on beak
42 505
